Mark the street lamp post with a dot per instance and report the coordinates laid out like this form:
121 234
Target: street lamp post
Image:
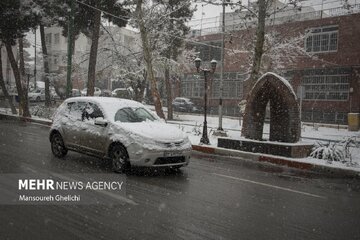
205 139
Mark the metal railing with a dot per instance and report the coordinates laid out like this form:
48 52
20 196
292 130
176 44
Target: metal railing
239 24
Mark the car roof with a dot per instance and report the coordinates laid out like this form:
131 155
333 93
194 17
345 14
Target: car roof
116 89
182 98
105 100
109 105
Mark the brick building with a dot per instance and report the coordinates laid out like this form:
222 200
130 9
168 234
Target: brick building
326 78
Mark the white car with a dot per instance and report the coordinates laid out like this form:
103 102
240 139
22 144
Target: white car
122 93
118 129
97 92
37 95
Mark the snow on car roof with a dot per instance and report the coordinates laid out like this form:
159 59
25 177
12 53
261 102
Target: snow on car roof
108 104
182 98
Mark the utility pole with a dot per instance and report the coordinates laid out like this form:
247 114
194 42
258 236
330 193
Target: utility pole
35 61
69 50
322 9
220 131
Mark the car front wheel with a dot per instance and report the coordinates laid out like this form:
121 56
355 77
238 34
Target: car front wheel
119 158
57 146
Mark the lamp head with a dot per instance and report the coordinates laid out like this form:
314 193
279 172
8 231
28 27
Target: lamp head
213 65
197 63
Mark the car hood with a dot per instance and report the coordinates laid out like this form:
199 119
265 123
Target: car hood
158 131
33 94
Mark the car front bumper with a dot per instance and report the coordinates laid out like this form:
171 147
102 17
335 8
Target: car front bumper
159 158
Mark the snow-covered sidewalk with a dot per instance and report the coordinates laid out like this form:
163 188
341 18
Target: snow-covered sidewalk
192 124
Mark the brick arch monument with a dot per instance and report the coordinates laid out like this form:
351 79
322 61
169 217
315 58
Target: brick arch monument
284 110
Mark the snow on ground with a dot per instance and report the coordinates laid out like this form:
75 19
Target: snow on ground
192 125
233 127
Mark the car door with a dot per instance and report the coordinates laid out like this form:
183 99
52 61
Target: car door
42 94
94 137
73 125
182 105
177 104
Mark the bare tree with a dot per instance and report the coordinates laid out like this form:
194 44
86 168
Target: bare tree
46 66
93 53
148 59
3 87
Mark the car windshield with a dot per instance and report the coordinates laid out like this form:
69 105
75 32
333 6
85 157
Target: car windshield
133 115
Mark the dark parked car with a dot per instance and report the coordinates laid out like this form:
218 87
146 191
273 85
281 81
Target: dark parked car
126 93
105 93
75 92
181 104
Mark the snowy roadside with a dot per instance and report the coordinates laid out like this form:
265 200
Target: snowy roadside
192 125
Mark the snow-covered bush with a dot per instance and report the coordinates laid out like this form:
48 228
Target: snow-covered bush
330 152
347 144
182 128
42 111
197 129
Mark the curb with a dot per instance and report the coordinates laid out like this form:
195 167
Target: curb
25 119
278 160
328 125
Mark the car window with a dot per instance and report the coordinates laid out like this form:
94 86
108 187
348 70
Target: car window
75 110
133 115
90 112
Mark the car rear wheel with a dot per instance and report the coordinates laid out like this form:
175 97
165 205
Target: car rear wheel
119 158
57 146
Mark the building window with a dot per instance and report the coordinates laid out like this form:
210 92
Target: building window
56 60
56 38
326 86
48 38
322 39
186 89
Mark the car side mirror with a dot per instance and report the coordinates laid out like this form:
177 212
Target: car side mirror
101 122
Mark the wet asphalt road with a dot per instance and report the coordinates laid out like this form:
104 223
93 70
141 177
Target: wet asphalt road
212 198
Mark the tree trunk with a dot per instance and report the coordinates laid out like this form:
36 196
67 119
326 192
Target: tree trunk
24 79
139 88
148 59
3 87
23 101
168 91
259 46
46 66
93 54
22 62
